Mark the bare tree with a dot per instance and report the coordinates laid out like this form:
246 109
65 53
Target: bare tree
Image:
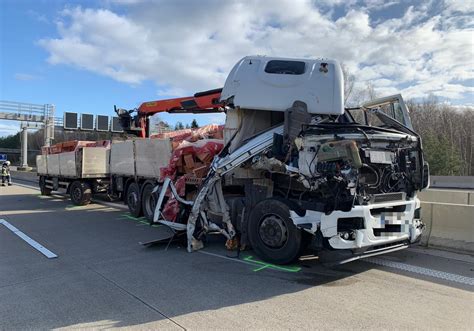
349 80
447 131
448 134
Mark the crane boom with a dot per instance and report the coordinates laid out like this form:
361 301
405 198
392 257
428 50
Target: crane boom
200 103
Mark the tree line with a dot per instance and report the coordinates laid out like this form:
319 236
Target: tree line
178 126
447 134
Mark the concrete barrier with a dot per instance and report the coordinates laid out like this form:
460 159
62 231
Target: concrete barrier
449 219
447 196
24 175
452 227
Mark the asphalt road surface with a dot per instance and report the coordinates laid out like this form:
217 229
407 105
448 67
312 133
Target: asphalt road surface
103 278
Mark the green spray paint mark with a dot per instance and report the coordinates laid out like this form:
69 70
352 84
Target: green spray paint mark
133 218
263 265
129 217
141 220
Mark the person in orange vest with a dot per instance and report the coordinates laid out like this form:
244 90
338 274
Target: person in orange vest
6 173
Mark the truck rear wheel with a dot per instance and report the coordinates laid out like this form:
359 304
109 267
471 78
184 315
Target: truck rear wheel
272 234
80 192
134 201
148 202
43 189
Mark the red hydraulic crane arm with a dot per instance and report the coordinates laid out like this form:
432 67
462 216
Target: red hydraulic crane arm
202 102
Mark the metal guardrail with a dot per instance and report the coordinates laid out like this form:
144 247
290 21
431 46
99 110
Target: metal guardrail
452 182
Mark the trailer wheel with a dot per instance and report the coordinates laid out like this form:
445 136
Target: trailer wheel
80 192
148 202
43 189
134 201
272 234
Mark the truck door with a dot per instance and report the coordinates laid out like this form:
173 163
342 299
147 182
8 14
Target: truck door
392 106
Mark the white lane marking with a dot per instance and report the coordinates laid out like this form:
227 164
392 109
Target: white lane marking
43 250
422 271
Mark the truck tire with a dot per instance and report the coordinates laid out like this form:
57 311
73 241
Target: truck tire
272 234
80 192
148 202
133 199
42 184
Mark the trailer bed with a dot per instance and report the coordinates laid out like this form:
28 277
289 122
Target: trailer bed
140 157
88 162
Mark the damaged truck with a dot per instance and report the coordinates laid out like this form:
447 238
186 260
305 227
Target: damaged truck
297 169
292 169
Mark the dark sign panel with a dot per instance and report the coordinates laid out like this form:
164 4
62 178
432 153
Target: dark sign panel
102 123
70 121
116 127
87 122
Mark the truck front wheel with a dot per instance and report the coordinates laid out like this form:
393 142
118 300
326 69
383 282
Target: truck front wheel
134 201
80 192
272 234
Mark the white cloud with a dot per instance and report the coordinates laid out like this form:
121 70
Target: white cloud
462 6
187 46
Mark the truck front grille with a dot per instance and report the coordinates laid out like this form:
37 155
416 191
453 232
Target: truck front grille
387 197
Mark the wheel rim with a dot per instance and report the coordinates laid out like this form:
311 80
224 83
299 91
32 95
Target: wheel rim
272 231
76 193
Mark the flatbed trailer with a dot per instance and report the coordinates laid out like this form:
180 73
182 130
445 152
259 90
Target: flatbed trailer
80 173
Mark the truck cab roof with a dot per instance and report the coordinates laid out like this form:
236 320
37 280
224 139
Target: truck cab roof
274 83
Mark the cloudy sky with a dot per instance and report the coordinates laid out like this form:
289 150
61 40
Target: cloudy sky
86 56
